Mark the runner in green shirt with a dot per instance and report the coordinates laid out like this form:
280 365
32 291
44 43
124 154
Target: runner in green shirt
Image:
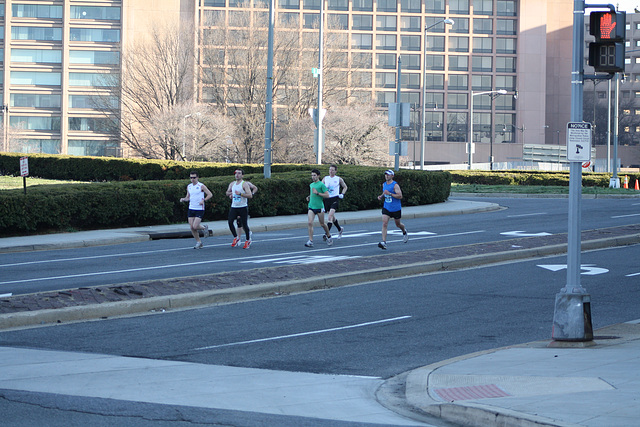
317 192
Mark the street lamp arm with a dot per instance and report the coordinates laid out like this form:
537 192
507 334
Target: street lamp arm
446 21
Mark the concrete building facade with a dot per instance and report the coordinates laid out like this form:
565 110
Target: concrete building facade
56 50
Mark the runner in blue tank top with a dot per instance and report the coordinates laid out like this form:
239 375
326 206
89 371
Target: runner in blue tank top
392 207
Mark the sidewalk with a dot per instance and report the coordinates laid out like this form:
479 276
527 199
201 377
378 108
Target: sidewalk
523 385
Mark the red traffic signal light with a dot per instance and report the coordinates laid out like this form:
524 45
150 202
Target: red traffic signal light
608 26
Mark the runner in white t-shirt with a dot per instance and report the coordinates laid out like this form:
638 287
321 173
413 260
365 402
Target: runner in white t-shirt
197 194
337 188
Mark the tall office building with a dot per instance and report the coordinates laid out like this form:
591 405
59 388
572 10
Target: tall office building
598 92
55 52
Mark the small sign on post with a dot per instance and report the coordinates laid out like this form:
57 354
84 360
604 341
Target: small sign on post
24 171
578 141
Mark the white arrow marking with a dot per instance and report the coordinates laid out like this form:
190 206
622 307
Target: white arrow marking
590 269
524 234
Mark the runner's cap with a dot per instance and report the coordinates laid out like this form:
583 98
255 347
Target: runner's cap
389 172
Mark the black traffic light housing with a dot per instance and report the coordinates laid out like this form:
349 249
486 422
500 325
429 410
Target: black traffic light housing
606 54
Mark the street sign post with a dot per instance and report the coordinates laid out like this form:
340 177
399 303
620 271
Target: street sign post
24 171
579 141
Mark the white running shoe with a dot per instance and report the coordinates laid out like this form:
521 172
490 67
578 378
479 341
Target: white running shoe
205 231
309 244
405 236
340 233
198 245
382 245
329 241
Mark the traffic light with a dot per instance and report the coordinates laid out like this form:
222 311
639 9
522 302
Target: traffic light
607 52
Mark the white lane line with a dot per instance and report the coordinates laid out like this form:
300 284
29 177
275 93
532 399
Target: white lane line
187 248
529 214
6 295
625 216
159 267
302 334
633 274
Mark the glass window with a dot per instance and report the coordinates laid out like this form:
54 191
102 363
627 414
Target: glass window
361 60
387 5
338 4
361 79
506 82
434 6
505 45
481 83
36 11
434 81
483 7
434 100
410 23
482 63
386 60
433 125
107 13
311 4
362 5
461 26
36 33
457 101
362 41
94 35
337 21
29 100
410 43
289 4
435 62
458 44
386 23
89 147
483 26
383 99
458 82
505 102
94 124
92 79
310 20
506 27
482 45
410 62
386 41
410 80
412 98
362 22
505 64
438 25
289 19
45 146
458 63
459 7
38 56
215 3
35 78
96 57
506 8
411 6
386 80
35 123
93 101
435 44
457 130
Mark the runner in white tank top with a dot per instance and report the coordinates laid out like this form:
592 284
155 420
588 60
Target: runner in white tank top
337 188
197 194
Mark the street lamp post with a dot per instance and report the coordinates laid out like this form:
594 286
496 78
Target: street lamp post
184 137
446 21
494 94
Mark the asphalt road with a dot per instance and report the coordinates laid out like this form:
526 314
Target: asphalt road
161 259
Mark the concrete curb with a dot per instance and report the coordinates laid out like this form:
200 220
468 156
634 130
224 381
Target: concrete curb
545 195
242 293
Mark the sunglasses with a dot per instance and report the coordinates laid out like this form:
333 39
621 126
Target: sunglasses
193 177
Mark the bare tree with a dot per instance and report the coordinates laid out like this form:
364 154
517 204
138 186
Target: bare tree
234 69
157 78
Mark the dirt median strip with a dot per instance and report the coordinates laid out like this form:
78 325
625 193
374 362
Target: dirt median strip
139 297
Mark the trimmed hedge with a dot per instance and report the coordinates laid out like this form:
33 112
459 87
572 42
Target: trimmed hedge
99 169
516 177
138 203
